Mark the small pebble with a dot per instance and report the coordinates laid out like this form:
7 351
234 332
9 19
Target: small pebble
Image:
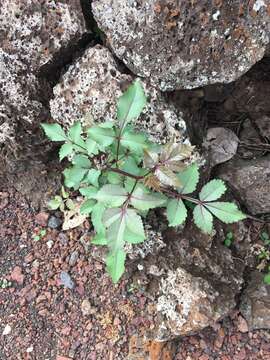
73 258
54 222
7 330
49 244
66 280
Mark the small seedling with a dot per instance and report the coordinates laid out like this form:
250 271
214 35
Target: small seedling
61 202
122 175
265 238
4 283
40 235
228 239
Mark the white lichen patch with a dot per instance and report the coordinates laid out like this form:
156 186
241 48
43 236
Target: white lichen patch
181 296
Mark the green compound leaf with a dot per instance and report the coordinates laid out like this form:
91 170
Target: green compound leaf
99 239
89 192
134 232
112 195
114 221
213 190
135 142
167 177
103 136
93 176
131 104
65 150
115 263
130 166
114 178
189 179
81 161
96 217
225 211
176 212
87 207
91 146
203 219
145 201
75 132
54 132
73 176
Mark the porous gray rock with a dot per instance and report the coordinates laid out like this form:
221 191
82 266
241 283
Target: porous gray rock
190 287
36 30
32 32
255 302
89 90
250 179
180 44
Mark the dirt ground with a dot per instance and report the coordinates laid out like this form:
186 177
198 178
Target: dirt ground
41 319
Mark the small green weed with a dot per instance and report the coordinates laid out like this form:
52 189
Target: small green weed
39 235
122 175
228 239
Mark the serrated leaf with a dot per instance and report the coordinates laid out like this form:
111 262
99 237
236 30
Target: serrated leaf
99 239
135 142
130 166
73 176
87 207
176 212
91 146
93 176
112 195
89 192
225 211
81 161
75 131
70 204
65 150
134 232
213 190
131 104
173 154
203 219
54 132
114 178
152 182
144 201
150 158
55 203
189 179
116 264
103 136
96 218
114 221
167 177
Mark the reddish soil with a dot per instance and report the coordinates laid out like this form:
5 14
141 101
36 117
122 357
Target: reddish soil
95 319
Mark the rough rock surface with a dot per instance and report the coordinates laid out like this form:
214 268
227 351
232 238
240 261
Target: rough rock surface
90 88
35 30
255 302
31 33
191 287
182 44
251 180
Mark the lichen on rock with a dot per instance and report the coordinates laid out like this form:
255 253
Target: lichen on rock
180 44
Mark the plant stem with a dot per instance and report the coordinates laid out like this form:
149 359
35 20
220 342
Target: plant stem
174 194
124 173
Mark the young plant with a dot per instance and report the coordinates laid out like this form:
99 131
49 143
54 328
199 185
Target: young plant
122 175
